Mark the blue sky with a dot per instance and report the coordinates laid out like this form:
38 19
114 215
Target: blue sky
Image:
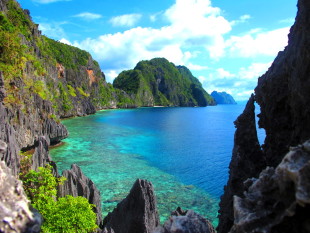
226 44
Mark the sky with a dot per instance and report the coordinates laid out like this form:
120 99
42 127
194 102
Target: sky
226 44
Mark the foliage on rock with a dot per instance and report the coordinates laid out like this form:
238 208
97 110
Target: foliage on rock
67 214
160 82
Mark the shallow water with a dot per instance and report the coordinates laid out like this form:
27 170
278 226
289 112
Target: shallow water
184 152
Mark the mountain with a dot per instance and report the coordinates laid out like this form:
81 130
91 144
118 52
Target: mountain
160 82
223 98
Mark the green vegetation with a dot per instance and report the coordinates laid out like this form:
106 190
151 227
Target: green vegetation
164 83
82 92
67 214
65 100
71 90
68 56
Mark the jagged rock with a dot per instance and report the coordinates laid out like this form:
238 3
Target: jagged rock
40 156
279 201
283 92
247 161
15 215
283 95
136 213
77 184
2 90
186 222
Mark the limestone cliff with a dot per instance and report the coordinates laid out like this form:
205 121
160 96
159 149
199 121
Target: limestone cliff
267 205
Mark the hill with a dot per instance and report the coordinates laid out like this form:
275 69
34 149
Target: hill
160 82
223 98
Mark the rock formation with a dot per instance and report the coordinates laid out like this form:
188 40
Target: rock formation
283 95
186 221
77 184
223 98
279 200
247 161
15 215
136 213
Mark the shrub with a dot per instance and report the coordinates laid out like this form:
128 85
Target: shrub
67 214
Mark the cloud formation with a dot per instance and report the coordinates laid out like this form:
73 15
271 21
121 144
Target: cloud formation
258 42
127 20
194 29
203 27
88 16
240 84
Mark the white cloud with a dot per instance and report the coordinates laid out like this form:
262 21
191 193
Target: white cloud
242 19
239 84
258 42
192 66
128 20
203 28
287 21
111 75
53 29
221 73
65 41
88 16
254 70
49 1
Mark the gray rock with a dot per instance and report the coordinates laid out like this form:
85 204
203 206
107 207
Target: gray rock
41 156
77 184
283 92
186 222
15 215
283 95
247 161
279 200
136 213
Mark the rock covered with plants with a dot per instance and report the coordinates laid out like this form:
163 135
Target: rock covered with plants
160 82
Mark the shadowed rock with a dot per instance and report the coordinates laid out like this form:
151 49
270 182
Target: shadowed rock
77 184
283 92
136 213
279 201
283 95
247 161
184 222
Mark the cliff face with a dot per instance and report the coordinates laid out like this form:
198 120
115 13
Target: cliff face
223 98
271 204
160 82
42 80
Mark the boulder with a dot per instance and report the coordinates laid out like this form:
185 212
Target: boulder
184 222
279 200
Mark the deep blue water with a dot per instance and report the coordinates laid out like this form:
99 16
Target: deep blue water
184 152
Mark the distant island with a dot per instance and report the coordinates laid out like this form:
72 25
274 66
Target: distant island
158 82
223 98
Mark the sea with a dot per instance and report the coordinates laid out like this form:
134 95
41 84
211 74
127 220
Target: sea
184 152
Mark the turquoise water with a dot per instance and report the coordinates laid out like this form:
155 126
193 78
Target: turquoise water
184 152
